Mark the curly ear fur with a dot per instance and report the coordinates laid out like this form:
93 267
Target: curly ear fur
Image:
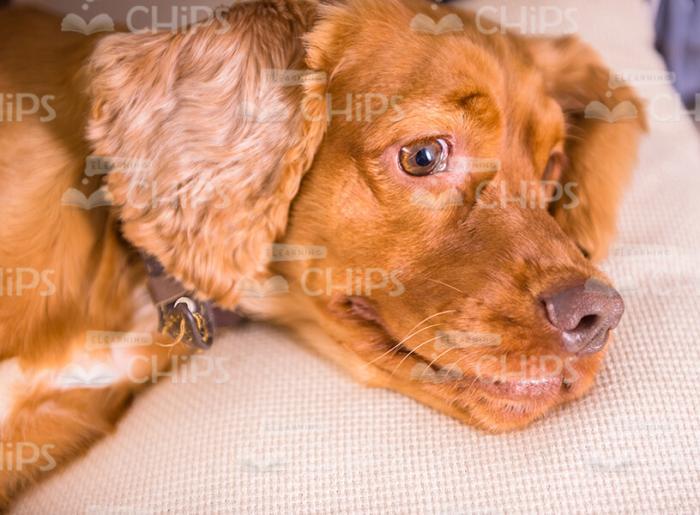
208 144
600 153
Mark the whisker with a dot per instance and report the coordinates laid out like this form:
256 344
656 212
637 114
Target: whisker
412 334
431 316
440 355
399 344
446 285
412 351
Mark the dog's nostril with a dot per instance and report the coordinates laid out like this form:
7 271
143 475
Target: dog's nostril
584 314
587 322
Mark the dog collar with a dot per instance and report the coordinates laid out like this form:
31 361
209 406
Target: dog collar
180 315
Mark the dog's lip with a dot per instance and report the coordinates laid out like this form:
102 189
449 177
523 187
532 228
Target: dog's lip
521 389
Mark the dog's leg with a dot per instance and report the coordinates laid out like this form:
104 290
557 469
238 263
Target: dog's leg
48 416
52 427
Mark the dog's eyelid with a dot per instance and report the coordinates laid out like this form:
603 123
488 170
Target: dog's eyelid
427 139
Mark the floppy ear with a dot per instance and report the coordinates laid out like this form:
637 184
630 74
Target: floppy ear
604 119
206 135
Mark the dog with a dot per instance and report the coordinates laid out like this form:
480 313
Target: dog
421 200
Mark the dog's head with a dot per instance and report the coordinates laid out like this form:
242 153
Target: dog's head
456 187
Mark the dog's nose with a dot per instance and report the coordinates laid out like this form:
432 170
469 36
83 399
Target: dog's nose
584 315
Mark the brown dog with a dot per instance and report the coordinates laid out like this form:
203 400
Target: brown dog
454 197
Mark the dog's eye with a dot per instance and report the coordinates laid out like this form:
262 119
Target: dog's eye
425 157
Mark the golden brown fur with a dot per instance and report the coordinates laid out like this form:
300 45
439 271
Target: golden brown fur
223 181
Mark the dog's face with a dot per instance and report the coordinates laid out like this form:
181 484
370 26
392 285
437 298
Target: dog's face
430 195
454 206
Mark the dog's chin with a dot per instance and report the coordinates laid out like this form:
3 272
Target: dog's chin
483 398
491 402
498 406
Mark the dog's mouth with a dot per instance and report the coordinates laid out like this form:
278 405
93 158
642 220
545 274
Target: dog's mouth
496 400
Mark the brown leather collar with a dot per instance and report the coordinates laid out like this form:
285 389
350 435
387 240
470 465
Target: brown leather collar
180 315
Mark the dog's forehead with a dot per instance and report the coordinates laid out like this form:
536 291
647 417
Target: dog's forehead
451 77
426 69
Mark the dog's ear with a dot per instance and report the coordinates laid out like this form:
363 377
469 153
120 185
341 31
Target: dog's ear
207 138
604 120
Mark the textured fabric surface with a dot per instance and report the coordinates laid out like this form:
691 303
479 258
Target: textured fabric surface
278 430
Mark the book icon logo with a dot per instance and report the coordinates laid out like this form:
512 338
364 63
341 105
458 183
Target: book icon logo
74 23
448 23
76 376
94 166
625 110
76 198
250 288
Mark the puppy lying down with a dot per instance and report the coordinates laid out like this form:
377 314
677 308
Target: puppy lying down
437 201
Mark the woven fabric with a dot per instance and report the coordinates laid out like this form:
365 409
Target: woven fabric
279 430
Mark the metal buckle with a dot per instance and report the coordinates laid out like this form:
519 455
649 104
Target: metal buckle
187 321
